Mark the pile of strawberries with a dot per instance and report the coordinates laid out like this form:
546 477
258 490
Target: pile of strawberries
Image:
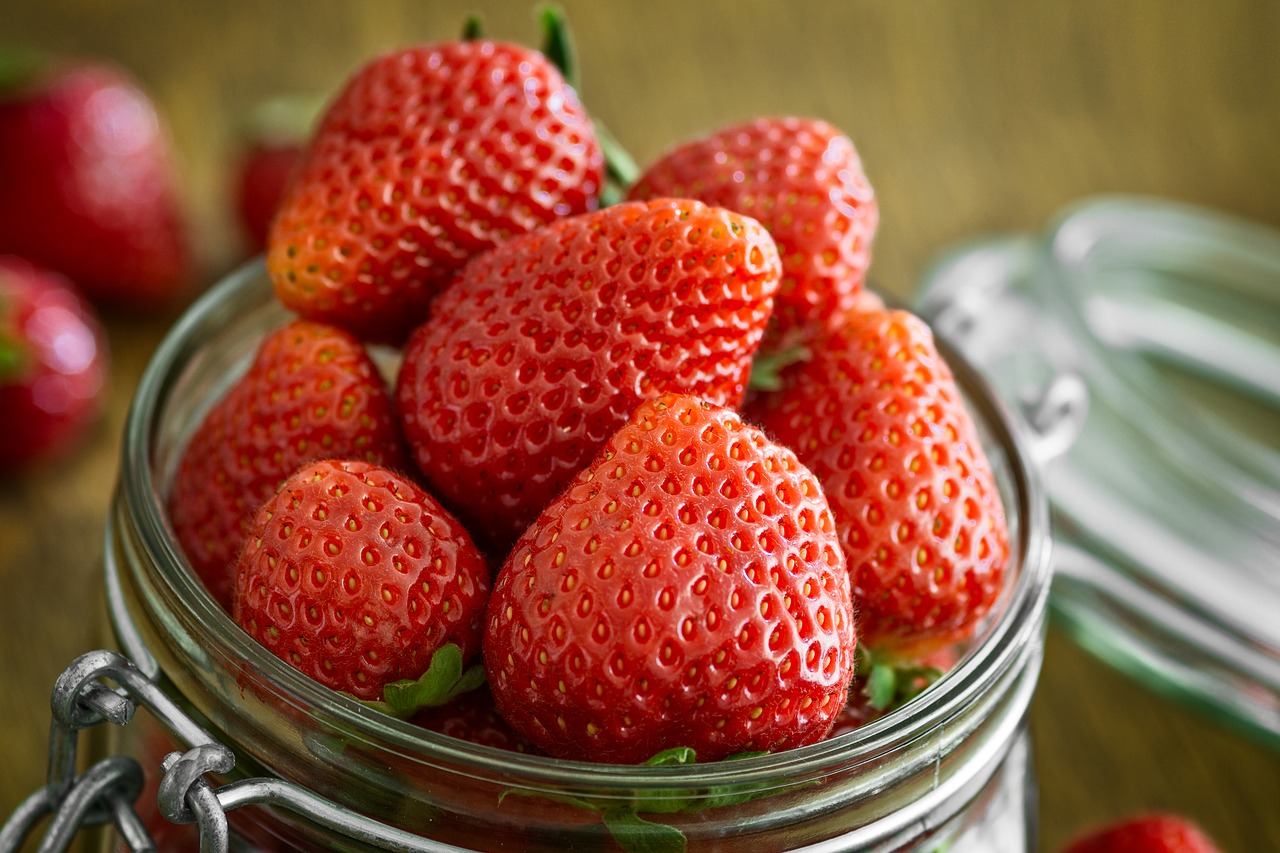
89 217
657 469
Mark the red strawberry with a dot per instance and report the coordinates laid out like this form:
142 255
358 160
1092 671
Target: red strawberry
275 138
473 717
430 155
355 576
687 590
543 347
52 364
312 392
87 186
1153 833
877 417
262 174
804 181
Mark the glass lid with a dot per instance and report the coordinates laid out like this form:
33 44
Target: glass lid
1165 486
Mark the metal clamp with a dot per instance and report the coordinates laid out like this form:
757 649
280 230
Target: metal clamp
107 791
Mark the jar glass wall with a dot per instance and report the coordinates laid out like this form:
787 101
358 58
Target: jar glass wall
949 768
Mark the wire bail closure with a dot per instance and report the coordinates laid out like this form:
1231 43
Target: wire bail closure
107 791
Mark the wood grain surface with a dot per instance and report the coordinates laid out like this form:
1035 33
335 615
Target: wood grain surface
972 117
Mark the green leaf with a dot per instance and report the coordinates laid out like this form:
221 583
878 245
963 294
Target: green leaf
566 799
730 795
443 680
637 835
558 46
766 369
611 194
666 801
675 755
620 166
557 42
888 683
915 680
882 685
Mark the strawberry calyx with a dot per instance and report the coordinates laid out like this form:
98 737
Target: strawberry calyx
444 680
889 683
767 367
472 28
634 833
621 169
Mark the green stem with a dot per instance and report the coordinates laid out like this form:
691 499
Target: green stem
557 42
472 28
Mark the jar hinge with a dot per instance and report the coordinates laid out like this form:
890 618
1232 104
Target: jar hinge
107 791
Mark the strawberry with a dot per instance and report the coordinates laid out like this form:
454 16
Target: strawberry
876 415
87 185
274 139
262 174
473 717
544 346
803 180
686 590
430 155
356 577
1151 833
52 364
312 392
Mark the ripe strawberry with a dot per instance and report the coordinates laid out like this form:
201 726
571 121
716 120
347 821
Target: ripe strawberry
473 717
1153 833
430 155
877 417
804 181
686 590
312 392
52 364
355 576
275 137
87 186
543 347
262 174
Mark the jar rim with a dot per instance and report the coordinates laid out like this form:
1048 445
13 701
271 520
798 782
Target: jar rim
1016 624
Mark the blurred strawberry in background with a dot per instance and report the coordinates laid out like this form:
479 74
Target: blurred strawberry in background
52 364
1148 833
86 181
274 136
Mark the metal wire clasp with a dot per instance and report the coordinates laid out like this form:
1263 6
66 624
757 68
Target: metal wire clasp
108 789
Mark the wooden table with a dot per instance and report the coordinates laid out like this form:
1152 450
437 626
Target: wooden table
971 117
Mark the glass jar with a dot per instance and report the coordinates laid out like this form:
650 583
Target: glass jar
1166 507
317 770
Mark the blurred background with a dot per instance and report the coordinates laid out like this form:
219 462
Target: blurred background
972 118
